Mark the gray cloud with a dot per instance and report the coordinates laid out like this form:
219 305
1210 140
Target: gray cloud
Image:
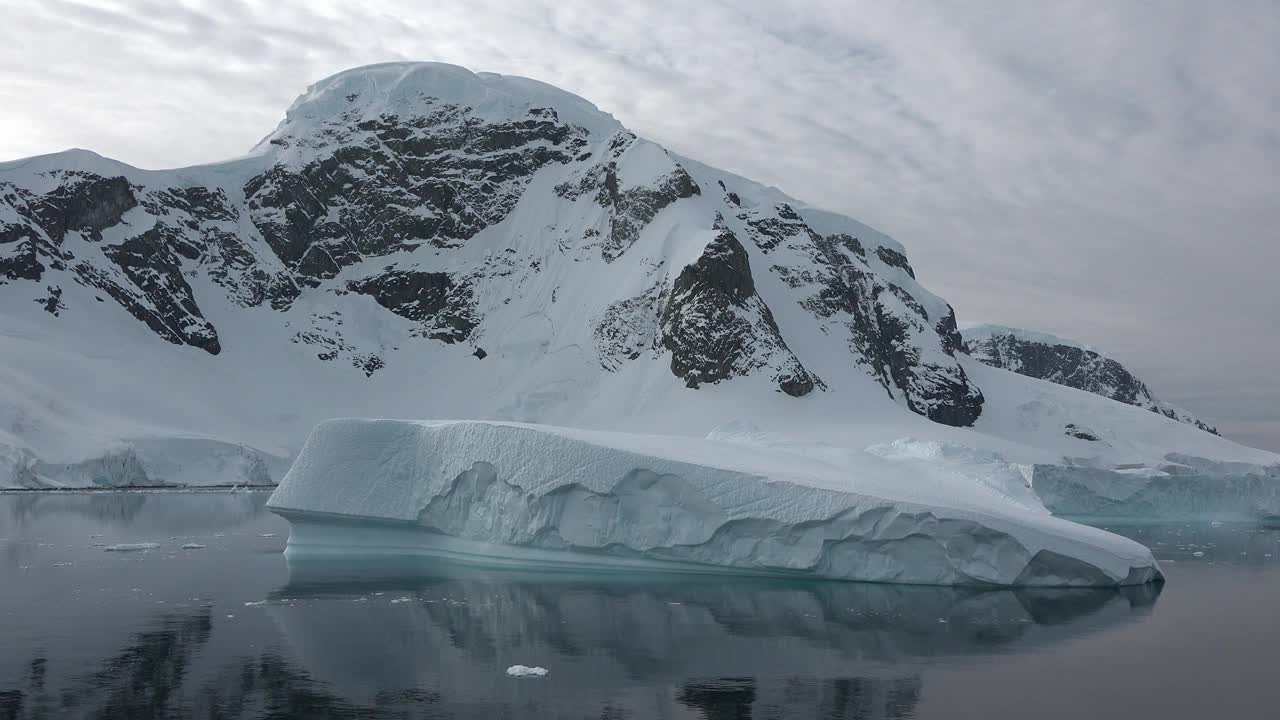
1104 171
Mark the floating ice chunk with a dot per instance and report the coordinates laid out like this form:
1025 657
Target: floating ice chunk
193 546
526 671
131 547
397 601
1183 488
1198 553
534 497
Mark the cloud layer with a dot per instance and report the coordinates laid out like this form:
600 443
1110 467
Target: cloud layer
1104 171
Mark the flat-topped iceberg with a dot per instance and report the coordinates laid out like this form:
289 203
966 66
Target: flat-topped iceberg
1184 488
541 497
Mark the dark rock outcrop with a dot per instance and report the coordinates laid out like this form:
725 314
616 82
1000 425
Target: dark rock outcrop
889 332
369 187
717 327
442 304
153 290
1048 358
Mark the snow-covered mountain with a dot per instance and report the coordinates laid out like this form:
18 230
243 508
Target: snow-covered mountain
1066 362
419 241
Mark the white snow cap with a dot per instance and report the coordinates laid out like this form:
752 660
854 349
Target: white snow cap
391 88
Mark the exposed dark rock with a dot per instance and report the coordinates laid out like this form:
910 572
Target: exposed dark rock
394 182
631 209
201 224
149 284
90 205
1072 366
480 353
53 303
890 343
436 299
717 327
83 202
769 230
893 258
1080 433
946 328
634 208
368 363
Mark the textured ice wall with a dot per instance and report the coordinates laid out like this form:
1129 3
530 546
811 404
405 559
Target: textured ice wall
512 494
1186 488
146 462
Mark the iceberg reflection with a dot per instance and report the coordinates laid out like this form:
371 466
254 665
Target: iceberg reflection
451 631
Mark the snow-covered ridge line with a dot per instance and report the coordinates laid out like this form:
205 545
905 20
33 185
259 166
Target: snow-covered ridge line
1069 363
509 494
979 332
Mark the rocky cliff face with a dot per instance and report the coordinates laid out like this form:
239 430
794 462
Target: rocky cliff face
473 209
1067 363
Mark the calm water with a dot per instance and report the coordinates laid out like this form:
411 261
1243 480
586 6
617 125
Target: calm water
230 630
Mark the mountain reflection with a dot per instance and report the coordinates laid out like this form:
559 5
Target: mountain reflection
405 641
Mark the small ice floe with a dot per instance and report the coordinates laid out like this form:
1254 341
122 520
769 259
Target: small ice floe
193 546
397 601
1216 523
61 564
1198 553
131 547
266 534
258 603
526 671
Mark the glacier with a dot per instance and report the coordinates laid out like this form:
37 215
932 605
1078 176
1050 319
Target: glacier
540 497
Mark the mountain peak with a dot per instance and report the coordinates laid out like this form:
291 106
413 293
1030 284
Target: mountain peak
410 88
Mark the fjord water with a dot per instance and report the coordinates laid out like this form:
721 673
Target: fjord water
232 630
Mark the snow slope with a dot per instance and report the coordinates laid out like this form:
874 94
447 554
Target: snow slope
537 496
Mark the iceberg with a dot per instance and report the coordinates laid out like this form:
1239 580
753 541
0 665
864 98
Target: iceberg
549 498
1183 488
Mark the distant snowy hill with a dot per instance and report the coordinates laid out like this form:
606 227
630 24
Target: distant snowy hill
418 241
1069 363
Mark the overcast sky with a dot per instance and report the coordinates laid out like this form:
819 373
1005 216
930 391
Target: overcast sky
1107 171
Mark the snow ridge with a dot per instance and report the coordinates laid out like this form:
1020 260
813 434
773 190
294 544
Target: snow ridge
1068 363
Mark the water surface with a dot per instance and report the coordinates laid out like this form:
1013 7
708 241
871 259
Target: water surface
231 630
